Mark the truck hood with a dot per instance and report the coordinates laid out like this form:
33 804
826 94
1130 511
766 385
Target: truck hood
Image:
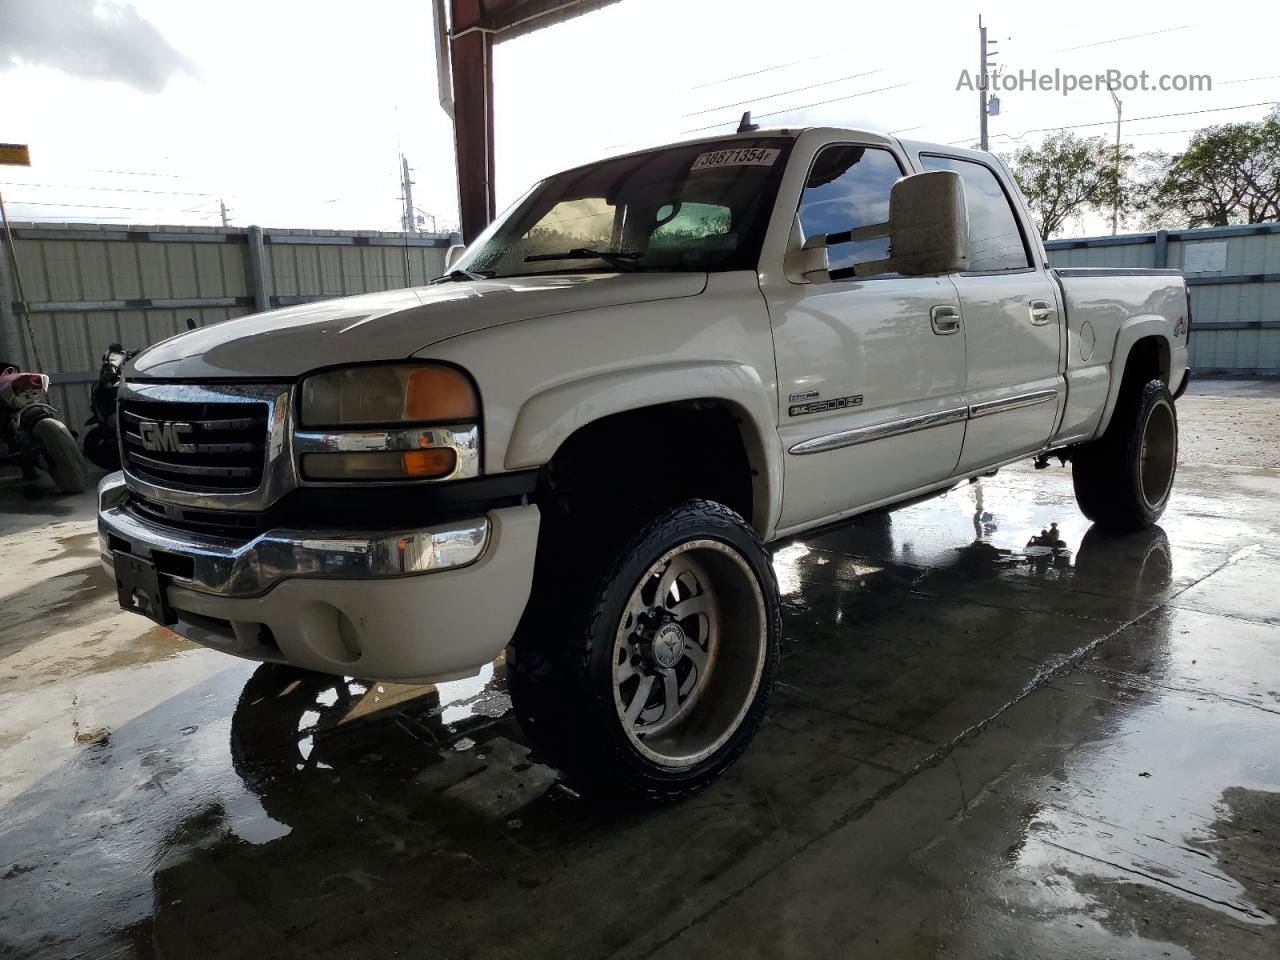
390 325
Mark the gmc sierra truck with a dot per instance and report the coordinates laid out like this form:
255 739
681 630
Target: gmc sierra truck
575 445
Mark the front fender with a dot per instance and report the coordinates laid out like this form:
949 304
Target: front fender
1130 332
548 418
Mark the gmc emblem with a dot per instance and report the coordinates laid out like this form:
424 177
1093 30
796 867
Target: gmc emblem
160 436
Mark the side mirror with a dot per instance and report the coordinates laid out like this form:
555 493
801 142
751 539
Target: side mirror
928 225
455 252
808 262
928 231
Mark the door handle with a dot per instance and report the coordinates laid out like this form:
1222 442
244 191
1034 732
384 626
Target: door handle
1041 311
944 319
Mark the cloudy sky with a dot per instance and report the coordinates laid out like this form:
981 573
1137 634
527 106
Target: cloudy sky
294 112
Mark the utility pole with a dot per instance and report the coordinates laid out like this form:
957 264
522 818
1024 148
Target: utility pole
982 84
222 209
406 194
1115 209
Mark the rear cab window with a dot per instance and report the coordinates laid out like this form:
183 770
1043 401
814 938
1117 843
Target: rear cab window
996 241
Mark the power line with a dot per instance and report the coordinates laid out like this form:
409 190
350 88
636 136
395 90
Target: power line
83 206
81 186
199 205
769 69
127 173
806 106
1104 123
1227 83
1134 36
1163 133
783 93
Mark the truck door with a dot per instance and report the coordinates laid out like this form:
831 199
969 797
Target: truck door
1011 325
870 370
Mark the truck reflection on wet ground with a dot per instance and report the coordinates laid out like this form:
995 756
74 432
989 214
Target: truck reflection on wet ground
981 743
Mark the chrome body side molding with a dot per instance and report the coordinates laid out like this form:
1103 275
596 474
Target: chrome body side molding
893 428
1006 404
880 431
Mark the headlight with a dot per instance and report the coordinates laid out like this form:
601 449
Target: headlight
395 422
399 394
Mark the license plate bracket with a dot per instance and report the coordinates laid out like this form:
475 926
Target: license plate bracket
139 589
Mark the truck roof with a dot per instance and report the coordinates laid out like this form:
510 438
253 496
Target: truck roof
833 133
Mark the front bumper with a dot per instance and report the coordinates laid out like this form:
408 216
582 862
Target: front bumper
407 605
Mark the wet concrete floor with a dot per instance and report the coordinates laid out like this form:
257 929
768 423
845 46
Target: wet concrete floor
977 749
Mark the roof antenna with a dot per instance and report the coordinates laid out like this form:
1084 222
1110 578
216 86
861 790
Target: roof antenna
746 126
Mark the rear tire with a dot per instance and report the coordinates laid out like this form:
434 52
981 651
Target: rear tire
60 455
1123 479
649 679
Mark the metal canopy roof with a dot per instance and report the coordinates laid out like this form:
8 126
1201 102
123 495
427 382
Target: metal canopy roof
513 18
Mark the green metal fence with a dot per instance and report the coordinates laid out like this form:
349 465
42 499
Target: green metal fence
87 285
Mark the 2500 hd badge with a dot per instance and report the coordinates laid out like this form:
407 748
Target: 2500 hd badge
822 406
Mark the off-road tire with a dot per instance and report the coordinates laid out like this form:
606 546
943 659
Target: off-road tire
560 665
1123 479
60 455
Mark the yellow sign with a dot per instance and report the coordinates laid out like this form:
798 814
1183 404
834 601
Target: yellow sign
15 154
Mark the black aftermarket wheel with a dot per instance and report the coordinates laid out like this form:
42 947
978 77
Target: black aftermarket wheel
1123 479
663 678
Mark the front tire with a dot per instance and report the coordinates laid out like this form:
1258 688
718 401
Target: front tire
1123 479
60 455
651 679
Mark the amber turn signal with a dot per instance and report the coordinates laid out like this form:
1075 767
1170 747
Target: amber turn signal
439 393
436 462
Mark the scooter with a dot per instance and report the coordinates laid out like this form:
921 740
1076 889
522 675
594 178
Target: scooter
102 441
32 434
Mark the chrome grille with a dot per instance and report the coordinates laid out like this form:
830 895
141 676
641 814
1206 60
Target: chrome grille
221 446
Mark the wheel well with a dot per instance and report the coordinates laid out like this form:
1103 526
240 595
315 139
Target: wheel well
635 464
1148 360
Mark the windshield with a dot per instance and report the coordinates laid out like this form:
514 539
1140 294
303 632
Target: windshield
700 207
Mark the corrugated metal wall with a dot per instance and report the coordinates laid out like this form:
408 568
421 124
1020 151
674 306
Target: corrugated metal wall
87 285
1234 277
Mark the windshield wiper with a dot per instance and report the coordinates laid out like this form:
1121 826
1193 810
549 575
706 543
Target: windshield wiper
459 276
623 259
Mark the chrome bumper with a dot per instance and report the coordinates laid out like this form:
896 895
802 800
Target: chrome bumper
230 568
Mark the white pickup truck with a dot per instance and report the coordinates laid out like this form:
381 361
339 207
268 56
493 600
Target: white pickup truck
576 444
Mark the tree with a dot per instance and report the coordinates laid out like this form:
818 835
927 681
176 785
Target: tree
1068 175
1229 173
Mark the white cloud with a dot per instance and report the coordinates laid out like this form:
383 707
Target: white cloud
93 40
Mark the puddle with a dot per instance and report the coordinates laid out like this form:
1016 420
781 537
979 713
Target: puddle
75 545
154 791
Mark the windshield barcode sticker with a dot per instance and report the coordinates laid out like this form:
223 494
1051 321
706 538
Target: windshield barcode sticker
742 157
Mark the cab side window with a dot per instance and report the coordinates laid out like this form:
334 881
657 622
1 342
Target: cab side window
849 187
995 238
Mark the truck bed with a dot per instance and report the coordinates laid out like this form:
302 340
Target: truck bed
1103 306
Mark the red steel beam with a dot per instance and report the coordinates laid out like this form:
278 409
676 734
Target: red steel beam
473 129
475 27
471 54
